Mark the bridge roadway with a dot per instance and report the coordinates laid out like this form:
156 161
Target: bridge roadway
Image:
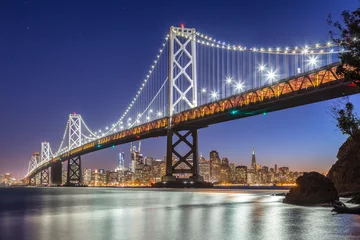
310 87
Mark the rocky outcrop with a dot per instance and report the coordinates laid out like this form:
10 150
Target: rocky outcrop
345 173
312 188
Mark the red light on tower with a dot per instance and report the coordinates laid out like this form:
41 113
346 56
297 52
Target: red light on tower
182 25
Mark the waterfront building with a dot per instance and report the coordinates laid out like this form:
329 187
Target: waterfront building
241 175
215 166
86 176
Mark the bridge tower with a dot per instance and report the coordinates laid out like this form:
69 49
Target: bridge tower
34 161
182 95
45 157
74 164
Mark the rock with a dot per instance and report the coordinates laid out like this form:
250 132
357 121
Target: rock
312 188
345 172
355 199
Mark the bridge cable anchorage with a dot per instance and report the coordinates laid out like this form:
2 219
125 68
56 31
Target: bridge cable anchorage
307 49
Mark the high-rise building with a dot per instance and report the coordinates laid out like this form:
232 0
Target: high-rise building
225 171
241 175
136 158
276 170
253 161
204 168
86 176
149 161
121 159
215 166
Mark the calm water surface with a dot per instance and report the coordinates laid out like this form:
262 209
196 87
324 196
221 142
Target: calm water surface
100 213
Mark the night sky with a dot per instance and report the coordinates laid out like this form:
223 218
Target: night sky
89 57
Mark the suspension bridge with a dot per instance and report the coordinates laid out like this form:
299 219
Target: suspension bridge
195 81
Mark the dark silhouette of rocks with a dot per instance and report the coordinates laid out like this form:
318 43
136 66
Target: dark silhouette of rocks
355 199
345 173
312 188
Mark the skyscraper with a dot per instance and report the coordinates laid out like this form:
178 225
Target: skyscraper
253 161
215 166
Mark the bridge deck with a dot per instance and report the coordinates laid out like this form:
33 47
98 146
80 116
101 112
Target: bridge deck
314 86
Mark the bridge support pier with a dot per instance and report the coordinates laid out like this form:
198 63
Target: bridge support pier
189 140
45 176
56 173
32 181
74 171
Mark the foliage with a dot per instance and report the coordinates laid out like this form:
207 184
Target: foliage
347 120
347 36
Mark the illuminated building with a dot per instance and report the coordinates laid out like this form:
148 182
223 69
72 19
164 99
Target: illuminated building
232 176
135 157
215 166
64 176
241 175
87 176
204 168
251 176
253 161
113 178
149 161
224 171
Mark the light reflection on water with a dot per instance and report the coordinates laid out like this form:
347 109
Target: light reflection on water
99 213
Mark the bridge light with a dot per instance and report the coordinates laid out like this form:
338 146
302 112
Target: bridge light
271 75
239 86
151 110
203 90
228 80
214 95
262 67
312 61
328 43
234 112
159 114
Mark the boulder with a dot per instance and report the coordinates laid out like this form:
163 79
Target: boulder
312 188
345 172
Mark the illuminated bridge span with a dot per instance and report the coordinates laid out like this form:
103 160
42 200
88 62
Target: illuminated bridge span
195 81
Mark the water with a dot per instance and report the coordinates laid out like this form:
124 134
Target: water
100 213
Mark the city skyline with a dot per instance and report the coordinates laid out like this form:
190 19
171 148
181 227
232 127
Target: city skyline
295 137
